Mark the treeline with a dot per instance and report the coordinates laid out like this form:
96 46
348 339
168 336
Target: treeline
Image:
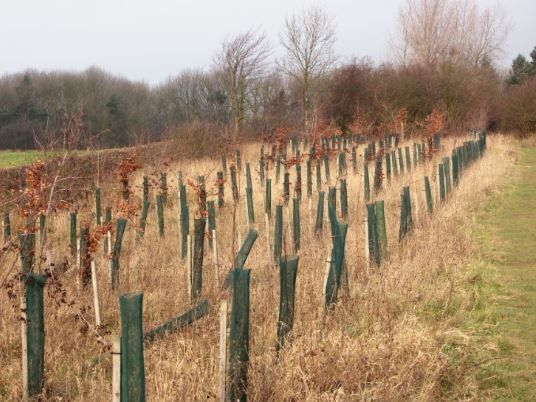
308 91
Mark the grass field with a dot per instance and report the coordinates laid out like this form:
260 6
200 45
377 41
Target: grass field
10 159
507 233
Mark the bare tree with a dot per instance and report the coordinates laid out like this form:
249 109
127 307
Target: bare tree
434 31
308 40
242 60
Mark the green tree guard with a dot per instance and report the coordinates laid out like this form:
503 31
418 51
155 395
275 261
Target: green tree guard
72 233
326 167
224 165
296 223
132 362
268 197
342 164
143 218
202 195
185 229
116 253
160 213
437 141
333 283
454 168
234 183
98 208
278 233
85 256
145 188
318 176
242 255
428 191
175 324
406 221
354 160
332 198
249 202
381 229
197 266
373 235
309 179
415 155
393 160
286 187
366 183
378 175
7 226
408 159
239 336
238 160
220 183
288 269
245 249
261 170
319 213
35 331
42 228
344 198
108 215
298 186
446 169
126 190
277 170
163 187
442 194
388 166
249 182
400 161
211 222
27 251
183 199
107 221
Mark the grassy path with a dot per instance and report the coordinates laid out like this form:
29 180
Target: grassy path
508 235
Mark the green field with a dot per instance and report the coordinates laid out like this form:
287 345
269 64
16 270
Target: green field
10 159
507 234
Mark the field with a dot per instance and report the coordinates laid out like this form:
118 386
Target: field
421 326
17 158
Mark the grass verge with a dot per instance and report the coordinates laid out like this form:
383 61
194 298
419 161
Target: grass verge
503 319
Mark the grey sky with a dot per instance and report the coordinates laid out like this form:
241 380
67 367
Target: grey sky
152 40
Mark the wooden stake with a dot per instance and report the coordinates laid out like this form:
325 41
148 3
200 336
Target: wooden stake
116 369
96 302
222 364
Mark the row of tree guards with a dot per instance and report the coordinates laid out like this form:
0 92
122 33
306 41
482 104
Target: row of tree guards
129 377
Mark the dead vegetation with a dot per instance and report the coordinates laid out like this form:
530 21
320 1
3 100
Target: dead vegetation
394 337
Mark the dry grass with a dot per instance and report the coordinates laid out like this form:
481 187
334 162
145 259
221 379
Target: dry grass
389 340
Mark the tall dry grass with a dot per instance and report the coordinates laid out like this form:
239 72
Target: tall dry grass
386 340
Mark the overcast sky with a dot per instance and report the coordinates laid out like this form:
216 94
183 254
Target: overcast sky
153 39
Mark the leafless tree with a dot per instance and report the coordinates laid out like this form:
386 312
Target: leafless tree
242 60
434 31
308 39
